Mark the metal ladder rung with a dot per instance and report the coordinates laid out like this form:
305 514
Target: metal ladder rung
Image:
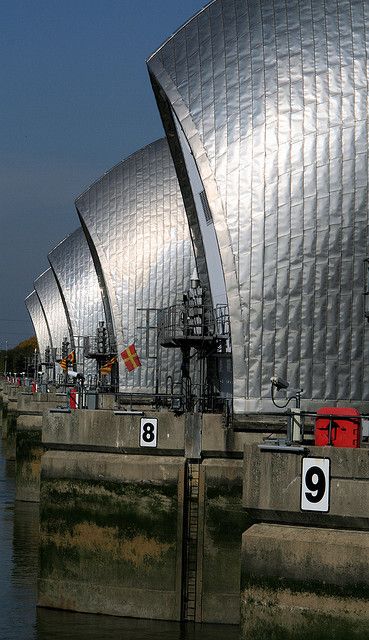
191 536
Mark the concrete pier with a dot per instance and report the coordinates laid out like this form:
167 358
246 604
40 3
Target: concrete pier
171 531
10 434
9 425
22 432
304 582
111 534
305 573
222 522
29 450
3 406
128 546
28 446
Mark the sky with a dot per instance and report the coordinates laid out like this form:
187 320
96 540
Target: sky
75 100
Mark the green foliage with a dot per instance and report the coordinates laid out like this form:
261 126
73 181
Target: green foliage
16 357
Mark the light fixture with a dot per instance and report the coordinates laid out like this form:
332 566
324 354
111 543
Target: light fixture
279 383
195 282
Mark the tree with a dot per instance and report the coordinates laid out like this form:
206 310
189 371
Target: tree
17 357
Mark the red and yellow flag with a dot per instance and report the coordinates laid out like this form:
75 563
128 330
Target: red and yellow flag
130 357
70 359
107 367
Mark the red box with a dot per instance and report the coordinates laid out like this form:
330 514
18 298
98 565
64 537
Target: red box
73 398
344 432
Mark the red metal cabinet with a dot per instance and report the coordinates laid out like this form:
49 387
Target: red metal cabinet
342 431
73 399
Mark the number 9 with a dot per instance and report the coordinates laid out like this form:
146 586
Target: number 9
315 482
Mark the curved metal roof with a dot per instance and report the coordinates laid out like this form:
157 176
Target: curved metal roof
135 220
38 320
48 293
74 270
271 101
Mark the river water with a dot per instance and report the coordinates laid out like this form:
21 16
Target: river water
19 617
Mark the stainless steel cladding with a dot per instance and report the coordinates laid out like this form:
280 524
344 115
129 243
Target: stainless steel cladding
73 267
270 98
135 220
47 290
38 319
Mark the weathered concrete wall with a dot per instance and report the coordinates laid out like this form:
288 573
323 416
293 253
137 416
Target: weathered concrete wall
106 431
9 431
4 414
222 520
111 534
86 440
304 582
40 401
29 450
10 394
307 581
272 485
28 442
2 405
219 439
107 401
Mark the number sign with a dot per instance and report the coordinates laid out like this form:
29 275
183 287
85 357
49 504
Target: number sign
315 484
148 432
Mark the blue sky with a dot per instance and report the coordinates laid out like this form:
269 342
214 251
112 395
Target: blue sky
75 100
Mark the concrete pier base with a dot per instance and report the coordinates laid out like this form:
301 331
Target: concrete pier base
2 410
3 422
113 540
111 534
304 582
222 523
29 450
10 434
305 573
28 441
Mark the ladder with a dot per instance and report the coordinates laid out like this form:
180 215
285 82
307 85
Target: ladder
190 539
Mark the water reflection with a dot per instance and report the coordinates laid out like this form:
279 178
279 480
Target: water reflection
19 617
56 625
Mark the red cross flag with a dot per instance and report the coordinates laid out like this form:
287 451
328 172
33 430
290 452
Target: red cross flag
130 357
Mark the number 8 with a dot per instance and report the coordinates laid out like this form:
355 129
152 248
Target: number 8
148 432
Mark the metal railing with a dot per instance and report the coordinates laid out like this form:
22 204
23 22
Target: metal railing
92 347
287 427
186 321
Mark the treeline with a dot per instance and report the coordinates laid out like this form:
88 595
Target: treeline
20 358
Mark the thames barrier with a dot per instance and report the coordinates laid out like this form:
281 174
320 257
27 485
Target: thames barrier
196 429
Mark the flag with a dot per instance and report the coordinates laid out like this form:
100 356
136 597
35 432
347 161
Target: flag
69 359
130 357
107 367
63 364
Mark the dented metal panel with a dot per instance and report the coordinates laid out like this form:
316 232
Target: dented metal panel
271 98
48 293
73 267
135 218
38 320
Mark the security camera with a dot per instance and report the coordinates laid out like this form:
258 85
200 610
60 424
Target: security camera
279 383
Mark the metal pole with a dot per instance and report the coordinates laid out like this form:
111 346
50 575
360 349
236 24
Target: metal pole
6 357
35 364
